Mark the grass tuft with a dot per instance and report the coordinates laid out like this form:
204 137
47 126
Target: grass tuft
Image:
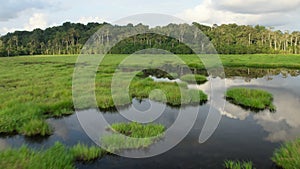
288 155
82 152
36 127
251 98
229 164
191 78
132 136
55 157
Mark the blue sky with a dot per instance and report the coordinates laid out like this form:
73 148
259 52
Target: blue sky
30 14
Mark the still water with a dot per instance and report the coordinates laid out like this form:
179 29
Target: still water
240 135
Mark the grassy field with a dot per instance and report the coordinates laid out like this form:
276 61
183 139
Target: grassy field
33 88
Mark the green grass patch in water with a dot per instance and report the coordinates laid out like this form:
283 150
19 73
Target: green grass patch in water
254 99
132 136
194 78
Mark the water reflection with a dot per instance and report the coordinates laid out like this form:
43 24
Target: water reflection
239 135
282 125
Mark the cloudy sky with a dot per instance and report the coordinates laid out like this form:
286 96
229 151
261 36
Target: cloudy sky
30 14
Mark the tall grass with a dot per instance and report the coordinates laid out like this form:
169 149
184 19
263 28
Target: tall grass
251 98
36 127
229 164
41 87
288 155
132 136
191 78
82 152
56 157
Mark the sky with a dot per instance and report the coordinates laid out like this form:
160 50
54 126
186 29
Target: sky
31 14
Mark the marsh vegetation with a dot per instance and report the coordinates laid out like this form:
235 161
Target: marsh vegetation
254 99
288 155
132 136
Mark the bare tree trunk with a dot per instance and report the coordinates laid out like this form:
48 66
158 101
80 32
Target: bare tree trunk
275 43
249 39
295 45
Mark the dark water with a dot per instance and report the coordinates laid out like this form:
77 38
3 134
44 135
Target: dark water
241 134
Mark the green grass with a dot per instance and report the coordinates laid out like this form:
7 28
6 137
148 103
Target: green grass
288 155
36 127
191 78
82 152
39 87
229 164
138 130
251 98
139 136
56 157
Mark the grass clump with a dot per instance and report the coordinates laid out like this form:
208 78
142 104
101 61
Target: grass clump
191 78
132 136
251 98
138 130
82 152
36 127
288 155
229 164
55 157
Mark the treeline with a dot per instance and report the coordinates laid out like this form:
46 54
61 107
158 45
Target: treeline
226 39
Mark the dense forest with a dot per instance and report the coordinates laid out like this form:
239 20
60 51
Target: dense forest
227 39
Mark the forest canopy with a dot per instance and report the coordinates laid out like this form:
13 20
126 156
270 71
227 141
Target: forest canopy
226 39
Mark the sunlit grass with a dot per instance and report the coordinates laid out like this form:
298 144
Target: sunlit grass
36 127
56 157
229 164
85 153
191 78
131 136
288 155
251 98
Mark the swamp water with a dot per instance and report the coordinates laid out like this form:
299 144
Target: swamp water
241 134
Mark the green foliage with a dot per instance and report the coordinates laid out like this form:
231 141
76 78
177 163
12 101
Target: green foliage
36 127
226 38
82 152
251 98
55 157
229 164
138 130
40 87
191 78
288 155
132 136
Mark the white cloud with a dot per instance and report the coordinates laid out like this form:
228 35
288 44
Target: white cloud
257 6
248 12
37 20
11 9
85 20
